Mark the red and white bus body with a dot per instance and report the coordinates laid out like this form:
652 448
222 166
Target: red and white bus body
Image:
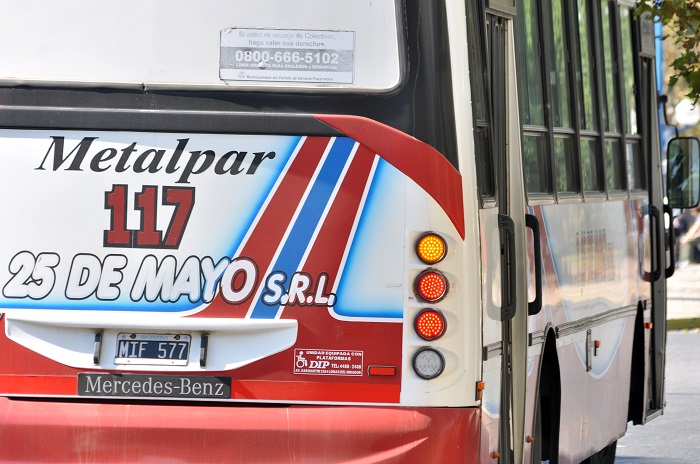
319 347
209 245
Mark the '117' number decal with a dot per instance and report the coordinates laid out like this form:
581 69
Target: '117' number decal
146 201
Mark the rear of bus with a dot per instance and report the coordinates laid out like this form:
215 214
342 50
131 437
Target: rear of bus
234 233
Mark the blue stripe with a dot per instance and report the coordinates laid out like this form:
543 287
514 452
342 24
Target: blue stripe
300 236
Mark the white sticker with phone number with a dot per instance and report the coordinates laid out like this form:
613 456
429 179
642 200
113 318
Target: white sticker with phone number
281 55
328 362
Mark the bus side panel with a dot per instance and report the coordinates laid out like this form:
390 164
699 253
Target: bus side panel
593 407
593 259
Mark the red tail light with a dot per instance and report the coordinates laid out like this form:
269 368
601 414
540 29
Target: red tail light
430 324
431 286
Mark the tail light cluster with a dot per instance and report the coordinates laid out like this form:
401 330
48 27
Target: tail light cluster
431 286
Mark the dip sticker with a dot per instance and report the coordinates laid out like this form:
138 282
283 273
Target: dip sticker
327 362
282 55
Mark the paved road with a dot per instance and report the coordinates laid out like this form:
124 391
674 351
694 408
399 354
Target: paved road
673 438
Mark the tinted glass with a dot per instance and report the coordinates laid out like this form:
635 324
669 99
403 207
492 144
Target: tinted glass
630 108
615 168
585 71
635 165
477 71
566 165
484 165
592 167
559 74
529 63
609 91
476 61
682 176
538 177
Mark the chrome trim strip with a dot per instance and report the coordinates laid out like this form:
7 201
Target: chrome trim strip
536 338
492 350
593 321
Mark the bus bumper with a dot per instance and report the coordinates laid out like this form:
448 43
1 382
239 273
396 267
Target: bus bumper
49 431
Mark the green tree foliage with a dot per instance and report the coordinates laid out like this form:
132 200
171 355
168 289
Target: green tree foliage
681 21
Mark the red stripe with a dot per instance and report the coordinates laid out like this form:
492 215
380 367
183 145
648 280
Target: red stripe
417 160
333 238
270 229
38 385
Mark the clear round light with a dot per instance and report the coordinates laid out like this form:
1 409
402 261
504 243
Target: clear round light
431 248
430 324
428 363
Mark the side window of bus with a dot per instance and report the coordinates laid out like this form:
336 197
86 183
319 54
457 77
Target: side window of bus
614 165
630 89
589 143
578 99
537 164
565 153
480 104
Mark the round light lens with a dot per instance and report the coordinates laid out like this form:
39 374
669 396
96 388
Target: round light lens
430 324
431 286
428 363
431 248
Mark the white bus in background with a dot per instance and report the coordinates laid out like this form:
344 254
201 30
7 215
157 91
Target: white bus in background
323 231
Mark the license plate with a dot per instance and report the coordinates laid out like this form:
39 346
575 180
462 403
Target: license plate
152 349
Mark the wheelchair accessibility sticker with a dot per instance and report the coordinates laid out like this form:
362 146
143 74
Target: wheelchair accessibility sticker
328 362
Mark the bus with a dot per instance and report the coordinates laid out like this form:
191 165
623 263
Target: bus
321 231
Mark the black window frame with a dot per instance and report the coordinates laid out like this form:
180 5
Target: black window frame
629 167
487 183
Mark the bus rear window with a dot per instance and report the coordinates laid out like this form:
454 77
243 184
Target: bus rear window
229 45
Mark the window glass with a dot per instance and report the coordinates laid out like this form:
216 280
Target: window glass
538 178
529 64
585 72
484 165
616 172
630 108
219 47
476 62
482 143
609 92
566 165
592 167
635 167
559 74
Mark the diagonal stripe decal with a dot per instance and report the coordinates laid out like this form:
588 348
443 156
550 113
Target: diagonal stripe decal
417 160
273 222
324 259
325 255
307 221
294 251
